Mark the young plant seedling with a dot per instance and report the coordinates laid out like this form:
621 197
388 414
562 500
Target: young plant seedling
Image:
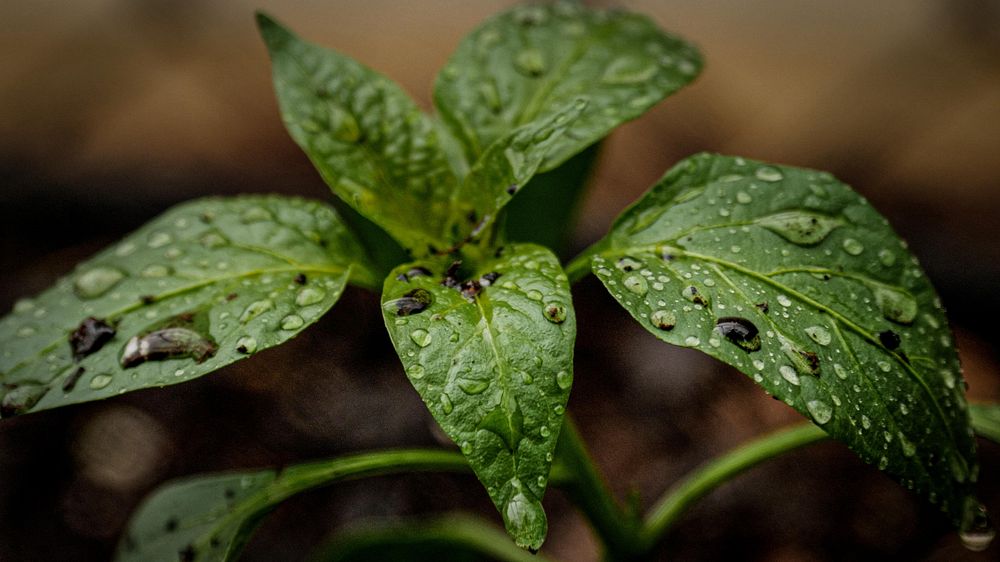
783 273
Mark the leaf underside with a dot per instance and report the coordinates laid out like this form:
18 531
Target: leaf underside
493 361
795 280
529 62
205 284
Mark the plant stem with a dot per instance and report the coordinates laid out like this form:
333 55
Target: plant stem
456 534
618 531
696 485
579 267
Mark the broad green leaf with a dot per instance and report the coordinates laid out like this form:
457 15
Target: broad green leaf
453 538
795 280
530 62
371 144
492 357
210 518
207 283
986 420
503 169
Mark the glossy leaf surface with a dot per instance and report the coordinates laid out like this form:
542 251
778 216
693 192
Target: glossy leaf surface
528 63
371 144
210 518
207 283
795 280
491 353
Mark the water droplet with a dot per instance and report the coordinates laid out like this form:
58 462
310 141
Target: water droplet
421 337
559 410
788 373
213 239
853 247
125 249
95 282
866 422
883 463
181 336
155 270
246 345
636 283
976 532
784 301
292 322
100 381
446 404
534 295
820 411
555 312
21 399
692 294
800 227
819 334
526 377
472 386
255 309
466 448
417 372
412 302
768 174
743 197
564 379
886 257
541 481
739 331
758 364
544 431
530 62
25 331
909 449
663 319
692 341
840 371
523 515
895 305
628 70
159 239
255 214
628 264
309 295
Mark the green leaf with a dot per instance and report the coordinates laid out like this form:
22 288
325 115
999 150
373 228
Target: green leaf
503 169
528 63
371 144
493 359
795 280
207 283
986 420
210 518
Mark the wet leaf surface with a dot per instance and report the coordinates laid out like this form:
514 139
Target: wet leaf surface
492 358
795 280
205 284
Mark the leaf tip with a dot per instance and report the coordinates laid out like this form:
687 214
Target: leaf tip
270 30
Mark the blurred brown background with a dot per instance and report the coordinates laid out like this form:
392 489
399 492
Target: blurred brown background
112 110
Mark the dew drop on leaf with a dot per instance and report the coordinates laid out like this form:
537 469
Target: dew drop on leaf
246 345
820 411
555 312
255 309
636 284
564 379
663 319
853 247
800 227
895 305
768 174
20 399
292 322
100 381
470 386
530 62
788 373
976 532
95 282
446 404
421 337
309 295
819 334
155 270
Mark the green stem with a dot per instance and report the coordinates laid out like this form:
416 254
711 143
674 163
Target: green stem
579 267
587 489
446 536
693 487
